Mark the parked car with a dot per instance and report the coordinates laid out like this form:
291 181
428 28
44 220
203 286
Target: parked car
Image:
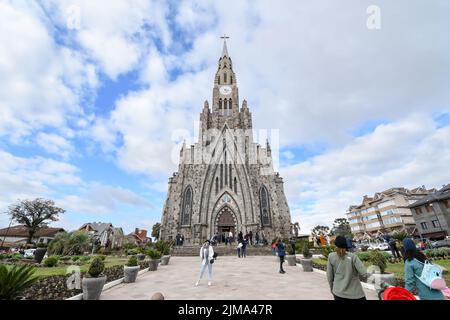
29 253
441 243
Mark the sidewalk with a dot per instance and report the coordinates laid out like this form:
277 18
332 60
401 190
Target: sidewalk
255 277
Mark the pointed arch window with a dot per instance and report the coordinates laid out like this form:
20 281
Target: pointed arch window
187 207
225 77
264 206
221 176
230 169
226 173
220 103
217 185
235 185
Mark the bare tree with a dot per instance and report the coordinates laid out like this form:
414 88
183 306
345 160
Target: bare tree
34 214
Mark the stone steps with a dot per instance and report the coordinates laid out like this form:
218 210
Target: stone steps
222 251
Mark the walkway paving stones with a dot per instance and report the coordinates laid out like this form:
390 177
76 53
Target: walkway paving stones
255 277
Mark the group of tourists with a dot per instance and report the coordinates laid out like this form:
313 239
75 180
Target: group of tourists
179 239
344 270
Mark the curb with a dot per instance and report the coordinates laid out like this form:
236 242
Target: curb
107 286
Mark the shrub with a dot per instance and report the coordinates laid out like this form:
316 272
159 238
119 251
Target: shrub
102 256
153 254
65 258
15 280
133 251
3 256
96 267
51 261
377 258
364 256
15 256
75 258
132 261
305 251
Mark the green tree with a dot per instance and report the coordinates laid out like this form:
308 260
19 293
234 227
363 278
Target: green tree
156 230
341 227
34 214
318 230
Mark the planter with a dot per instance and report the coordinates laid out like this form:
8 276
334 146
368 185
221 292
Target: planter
291 260
92 287
153 265
307 265
39 254
130 273
141 256
165 260
379 279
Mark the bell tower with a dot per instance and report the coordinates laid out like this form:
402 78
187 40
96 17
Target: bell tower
225 91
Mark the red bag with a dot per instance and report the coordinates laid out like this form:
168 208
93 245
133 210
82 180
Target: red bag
397 293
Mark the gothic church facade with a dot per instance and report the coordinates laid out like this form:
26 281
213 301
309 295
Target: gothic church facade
226 181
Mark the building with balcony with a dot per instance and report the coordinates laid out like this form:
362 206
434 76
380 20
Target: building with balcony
385 212
432 214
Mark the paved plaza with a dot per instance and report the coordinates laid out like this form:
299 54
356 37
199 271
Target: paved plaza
255 277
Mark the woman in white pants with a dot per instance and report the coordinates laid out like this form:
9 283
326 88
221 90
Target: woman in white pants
207 255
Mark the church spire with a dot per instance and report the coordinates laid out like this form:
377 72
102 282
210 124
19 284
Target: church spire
225 49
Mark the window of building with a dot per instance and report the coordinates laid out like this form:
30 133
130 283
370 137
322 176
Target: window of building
217 185
187 207
429 208
424 225
225 77
418 210
436 224
447 204
235 185
264 204
231 178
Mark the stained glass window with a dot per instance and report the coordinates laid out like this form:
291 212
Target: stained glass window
187 207
264 204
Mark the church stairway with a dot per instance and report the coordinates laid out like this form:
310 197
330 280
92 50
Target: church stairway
223 250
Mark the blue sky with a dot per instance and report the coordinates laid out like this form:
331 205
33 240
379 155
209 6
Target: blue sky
93 92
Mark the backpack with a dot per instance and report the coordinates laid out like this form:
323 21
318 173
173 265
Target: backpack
432 276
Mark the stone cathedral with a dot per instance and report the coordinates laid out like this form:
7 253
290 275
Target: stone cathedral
225 181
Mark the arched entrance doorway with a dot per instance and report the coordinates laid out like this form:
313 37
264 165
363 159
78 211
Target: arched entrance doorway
225 222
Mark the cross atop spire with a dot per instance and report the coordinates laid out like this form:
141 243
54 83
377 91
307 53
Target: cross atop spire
225 50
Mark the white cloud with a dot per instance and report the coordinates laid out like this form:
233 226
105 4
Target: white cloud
407 153
55 144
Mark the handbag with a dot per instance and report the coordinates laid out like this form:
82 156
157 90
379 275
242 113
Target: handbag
211 261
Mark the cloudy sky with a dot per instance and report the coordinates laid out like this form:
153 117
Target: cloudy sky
92 92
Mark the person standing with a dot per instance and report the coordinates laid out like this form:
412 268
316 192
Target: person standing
239 249
250 234
256 237
230 237
414 262
244 248
207 255
240 236
343 272
280 248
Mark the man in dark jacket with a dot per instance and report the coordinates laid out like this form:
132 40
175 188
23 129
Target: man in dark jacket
280 248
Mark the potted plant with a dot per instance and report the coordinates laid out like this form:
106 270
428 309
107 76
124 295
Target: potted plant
290 256
306 261
40 252
141 254
93 283
130 270
166 254
155 256
377 268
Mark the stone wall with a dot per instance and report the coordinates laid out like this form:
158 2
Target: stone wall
55 287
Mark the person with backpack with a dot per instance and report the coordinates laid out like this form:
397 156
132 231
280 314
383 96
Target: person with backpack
419 274
343 272
239 249
280 248
207 255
